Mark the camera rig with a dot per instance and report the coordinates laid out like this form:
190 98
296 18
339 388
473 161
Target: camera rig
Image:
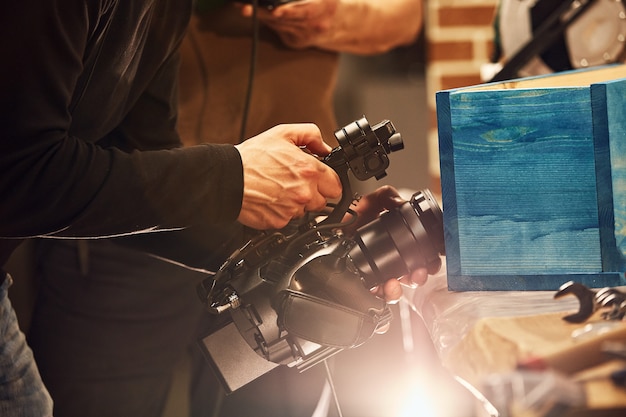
299 295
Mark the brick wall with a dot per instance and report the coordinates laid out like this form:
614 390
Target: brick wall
459 39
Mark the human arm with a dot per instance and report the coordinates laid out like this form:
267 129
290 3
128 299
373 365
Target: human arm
361 27
281 182
75 159
88 145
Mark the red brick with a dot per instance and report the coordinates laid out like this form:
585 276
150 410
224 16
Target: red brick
466 16
448 51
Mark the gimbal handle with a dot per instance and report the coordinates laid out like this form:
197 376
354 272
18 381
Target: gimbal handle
363 151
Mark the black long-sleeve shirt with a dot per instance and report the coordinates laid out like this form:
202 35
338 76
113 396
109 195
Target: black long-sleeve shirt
88 146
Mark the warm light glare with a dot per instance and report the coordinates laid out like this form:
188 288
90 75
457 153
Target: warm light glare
422 392
421 399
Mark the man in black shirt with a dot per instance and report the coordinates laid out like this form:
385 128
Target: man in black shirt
89 149
88 146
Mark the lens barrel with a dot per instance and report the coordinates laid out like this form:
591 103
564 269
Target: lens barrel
400 240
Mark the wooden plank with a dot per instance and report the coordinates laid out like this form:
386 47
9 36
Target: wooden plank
525 186
615 102
524 207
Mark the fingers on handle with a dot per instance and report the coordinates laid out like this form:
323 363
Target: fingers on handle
310 136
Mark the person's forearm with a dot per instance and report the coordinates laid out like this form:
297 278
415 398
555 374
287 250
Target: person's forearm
86 150
367 27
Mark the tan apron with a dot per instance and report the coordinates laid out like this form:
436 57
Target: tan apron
290 86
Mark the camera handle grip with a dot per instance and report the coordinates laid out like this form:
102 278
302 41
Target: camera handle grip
336 161
363 151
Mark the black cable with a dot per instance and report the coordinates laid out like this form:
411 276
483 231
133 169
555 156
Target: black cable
252 70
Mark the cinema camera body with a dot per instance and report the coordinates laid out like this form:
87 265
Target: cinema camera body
299 295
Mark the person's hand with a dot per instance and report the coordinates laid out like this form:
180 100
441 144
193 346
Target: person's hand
342 25
299 24
281 181
368 208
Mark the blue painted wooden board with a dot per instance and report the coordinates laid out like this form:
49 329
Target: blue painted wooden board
533 177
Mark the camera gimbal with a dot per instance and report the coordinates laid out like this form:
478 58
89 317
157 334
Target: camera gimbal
301 294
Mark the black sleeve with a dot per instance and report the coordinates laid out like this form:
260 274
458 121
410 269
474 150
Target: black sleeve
204 247
54 183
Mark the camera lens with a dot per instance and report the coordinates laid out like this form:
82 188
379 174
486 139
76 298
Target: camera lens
400 240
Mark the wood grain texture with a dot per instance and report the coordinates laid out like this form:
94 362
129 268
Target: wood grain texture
532 184
615 107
